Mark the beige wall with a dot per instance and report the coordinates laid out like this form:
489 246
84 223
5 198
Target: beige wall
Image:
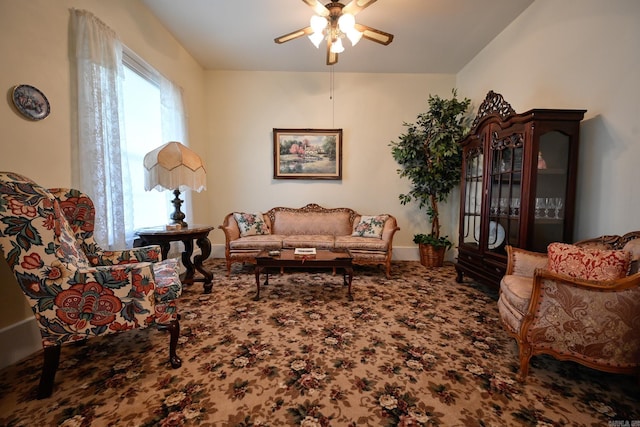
370 108
582 54
34 47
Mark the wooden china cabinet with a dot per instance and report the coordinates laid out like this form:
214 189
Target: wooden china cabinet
518 185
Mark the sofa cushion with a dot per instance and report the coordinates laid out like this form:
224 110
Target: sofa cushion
308 241
587 263
370 226
251 224
259 241
365 256
361 243
317 223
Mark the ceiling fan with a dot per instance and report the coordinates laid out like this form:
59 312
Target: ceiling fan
332 22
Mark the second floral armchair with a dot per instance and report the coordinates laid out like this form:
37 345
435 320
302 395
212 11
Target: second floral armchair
576 302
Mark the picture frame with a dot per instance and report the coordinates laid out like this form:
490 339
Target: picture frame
307 153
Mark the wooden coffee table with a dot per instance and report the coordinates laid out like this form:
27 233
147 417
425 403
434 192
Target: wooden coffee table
335 259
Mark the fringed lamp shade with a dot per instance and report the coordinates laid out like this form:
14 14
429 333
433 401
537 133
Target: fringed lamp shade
174 167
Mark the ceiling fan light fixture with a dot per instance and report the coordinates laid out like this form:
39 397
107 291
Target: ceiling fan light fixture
336 46
346 22
318 23
354 36
316 39
335 21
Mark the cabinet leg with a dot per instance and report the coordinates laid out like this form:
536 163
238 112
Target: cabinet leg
459 276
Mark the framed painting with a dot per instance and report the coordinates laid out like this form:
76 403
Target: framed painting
307 153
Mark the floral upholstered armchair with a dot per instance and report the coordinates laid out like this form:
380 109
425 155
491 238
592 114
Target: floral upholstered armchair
577 302
75 289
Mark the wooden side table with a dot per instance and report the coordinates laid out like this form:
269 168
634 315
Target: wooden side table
199 233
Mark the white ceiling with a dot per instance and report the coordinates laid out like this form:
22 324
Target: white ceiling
431 36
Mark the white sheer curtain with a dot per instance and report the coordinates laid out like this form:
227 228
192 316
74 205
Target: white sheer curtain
99 169
174 123
173 116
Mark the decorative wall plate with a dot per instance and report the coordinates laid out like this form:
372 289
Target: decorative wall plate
30 102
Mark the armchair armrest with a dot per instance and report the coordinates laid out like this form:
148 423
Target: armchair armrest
150 253
521 262
94 301
628 282
591 321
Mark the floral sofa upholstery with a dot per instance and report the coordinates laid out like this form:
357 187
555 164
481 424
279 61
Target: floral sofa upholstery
577 302
75 289
369 238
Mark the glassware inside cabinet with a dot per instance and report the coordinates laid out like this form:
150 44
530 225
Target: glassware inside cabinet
551 189
505 190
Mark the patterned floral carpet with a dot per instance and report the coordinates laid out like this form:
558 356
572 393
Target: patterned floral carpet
415 350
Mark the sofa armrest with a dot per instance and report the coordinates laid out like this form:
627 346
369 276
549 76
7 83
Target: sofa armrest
230 228
521 262
390 228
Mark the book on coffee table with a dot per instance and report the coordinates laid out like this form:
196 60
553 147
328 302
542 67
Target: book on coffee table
304 252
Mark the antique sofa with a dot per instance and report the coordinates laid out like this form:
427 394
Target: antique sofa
368 238
577 302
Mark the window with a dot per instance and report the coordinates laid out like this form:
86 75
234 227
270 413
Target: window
120 98
142 133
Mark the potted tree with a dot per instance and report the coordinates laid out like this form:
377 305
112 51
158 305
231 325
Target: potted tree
431 158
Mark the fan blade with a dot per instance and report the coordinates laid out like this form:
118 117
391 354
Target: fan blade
374 35
356 6
294 35
332 57
317 7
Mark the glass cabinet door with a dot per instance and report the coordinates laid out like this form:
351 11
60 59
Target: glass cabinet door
505 190
472 205
551 190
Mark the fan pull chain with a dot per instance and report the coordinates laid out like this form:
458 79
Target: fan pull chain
331 96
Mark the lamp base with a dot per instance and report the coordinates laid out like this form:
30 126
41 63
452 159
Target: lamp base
177 217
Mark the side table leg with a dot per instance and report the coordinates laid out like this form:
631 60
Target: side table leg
186 260
164 248
205 247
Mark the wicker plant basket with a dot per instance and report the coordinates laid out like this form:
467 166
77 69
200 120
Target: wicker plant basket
431 256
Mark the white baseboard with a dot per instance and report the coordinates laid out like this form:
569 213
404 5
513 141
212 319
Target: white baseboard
19 341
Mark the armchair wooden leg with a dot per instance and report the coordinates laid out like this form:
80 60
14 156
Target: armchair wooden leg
49 368
525 356
174 330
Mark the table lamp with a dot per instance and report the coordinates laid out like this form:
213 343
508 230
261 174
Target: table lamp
174 167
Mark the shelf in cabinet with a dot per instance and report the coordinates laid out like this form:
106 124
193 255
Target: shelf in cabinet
549 220
552 171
